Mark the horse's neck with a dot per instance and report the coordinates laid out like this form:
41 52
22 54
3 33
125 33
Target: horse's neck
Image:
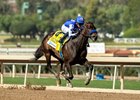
81 41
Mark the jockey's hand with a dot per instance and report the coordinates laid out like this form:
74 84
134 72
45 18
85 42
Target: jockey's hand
74 31
81 28
74 36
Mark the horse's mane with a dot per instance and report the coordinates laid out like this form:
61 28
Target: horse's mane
89 25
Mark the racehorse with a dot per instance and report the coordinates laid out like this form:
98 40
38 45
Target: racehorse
74 52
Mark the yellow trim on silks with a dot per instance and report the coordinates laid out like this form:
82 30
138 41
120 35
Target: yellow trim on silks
55 40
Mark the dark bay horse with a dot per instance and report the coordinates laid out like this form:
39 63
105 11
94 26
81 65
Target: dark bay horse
74 52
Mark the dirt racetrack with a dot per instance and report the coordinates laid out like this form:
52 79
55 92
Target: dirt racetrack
65 94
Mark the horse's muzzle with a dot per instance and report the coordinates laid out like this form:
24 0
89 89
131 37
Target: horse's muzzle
94 37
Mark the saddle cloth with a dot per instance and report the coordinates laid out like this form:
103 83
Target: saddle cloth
54 40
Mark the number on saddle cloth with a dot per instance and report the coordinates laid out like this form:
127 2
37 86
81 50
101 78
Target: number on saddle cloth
54 40
58 35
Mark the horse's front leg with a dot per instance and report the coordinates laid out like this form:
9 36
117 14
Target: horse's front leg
89 68
68 75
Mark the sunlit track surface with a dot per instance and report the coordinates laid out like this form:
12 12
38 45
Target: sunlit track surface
76 89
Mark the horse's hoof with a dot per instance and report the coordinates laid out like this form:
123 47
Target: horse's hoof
62 72
58 83
69 85
71 77
87 81
33 59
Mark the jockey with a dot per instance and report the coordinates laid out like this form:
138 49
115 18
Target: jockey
71 27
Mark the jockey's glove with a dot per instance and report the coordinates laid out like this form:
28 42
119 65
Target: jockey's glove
81 28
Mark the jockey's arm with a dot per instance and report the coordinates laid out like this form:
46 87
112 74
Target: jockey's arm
71 33
81 28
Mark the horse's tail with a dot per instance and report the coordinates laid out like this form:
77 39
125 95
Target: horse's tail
38 53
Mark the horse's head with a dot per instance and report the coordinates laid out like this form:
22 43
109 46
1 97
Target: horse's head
90 31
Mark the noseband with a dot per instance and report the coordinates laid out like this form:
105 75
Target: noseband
89 34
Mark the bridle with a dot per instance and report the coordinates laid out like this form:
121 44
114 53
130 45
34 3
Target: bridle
89 33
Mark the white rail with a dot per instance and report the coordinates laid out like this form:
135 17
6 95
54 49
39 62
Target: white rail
116 61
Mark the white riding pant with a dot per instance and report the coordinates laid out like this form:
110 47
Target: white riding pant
68 30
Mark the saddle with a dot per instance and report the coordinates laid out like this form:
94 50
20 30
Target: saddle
54 40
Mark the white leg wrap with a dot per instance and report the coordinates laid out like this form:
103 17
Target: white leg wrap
87 74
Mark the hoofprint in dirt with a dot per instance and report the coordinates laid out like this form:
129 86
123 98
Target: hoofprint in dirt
66 93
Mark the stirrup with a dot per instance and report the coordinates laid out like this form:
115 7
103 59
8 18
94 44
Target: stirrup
60 41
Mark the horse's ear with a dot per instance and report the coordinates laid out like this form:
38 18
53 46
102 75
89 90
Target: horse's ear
87 24
90 22
90 25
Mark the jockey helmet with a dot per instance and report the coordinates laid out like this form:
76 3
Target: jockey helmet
80 20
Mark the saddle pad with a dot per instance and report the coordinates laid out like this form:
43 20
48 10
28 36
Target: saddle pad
54 40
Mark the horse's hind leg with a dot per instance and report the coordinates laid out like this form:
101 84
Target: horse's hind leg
58 81
48 59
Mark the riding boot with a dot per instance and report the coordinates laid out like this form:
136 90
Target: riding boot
63 38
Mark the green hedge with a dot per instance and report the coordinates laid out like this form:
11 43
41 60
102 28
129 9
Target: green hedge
132 33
